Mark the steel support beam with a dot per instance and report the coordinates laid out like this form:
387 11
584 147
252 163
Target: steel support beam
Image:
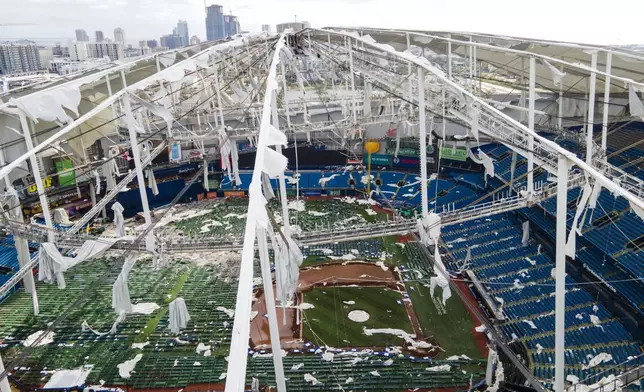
35 167
423 141
560 274
129 116
609 61
531 102
591 111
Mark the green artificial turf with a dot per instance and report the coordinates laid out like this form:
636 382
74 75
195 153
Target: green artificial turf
450 326
328 323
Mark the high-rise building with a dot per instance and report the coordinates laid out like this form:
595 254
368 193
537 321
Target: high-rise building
182 31
152 43
266 28
46 56
171 41
81 35
195 40
214 22
18 58
78 51
60 51
99 50
231 26
99 36
119 36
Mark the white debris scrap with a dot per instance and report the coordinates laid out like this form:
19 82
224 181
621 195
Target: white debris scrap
530 323
598 359
128 366
573 379
327 356
46 339
146 308
375 373
298 366
229 312
139 345
440 368
539 348
349 302
480 328
308 377
68 378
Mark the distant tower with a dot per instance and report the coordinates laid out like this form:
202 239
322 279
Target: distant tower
119 36
266 28
81 35
182 31
195 40
99 36
214 22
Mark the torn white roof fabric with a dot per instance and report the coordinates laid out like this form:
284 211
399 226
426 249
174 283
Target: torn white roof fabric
179 316
52 264
119 221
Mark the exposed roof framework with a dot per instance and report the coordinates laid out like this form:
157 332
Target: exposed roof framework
218 82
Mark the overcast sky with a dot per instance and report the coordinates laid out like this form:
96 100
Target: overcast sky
590 21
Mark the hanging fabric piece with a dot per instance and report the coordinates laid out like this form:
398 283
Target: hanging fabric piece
119 221
439 280
157 110
206 183
225 150
597 189
267 188
61 216
398 142
274 163
52 264
288 259
119 319
488 164
474 121
429 229
526 234
571 245
634 103
276 137
120 292
152 181
557 75
468 257
637 210
367 99
234 157
110 169
179 316
97 182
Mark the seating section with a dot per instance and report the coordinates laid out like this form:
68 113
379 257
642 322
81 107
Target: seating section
9 261
519 279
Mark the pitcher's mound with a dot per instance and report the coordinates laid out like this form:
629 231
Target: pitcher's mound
359 316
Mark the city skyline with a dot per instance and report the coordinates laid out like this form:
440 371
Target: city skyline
144 19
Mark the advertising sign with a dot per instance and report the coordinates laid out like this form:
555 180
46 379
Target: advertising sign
234 194
455 155
378 159
33 189
68 178
175 152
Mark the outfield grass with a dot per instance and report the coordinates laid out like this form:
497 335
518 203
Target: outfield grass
328 323
450 326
